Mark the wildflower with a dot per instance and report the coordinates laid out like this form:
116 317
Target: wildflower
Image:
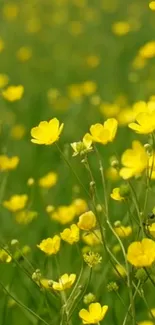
87 221
141 254
88 87
93 61
120 270
4 256
80 206
65 282
121 28
135 161
30 181
71 235
2 46
48 180
141 275
47 132
112 286
115 195
92 238
146 322
49 208
82 147
112 174
24 53
151 229
10 11
16 202
13 93
18 131
92 258
8 163
123 231
103 133
90 297
4 79
147 51
145 123
64 214
25 217
152 5
94 314
50 246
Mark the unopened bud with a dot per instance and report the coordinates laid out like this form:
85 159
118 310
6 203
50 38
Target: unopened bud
30 181
14 242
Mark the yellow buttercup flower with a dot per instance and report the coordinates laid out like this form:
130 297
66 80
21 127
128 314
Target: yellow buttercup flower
146 322
50 246
2 46
10 11
4 256
48 180
119 270
141 254
13 93
152 5
151 229
24 53
25 217
115 195
18 131
103 133
82 147
87 221
145 123
94 314
65 282
123 231
134 160
16 202
8 163
147 51
64 214
4 79
121 28
71 235
80 206
112 174
92 238
47 132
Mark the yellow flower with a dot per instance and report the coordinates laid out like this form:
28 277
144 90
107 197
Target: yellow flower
10 11
64 214
65 282
4 79
112 174
71 235
16 202
18 131
82 147
121 28
152 5
80 206
48 180
24 53
120 270
2 46
89 87
92 238
135 161
50 246
151 229
147 51
94 314
141 254
115 195
145 123
25 217
87 221
103 133
7 163
47 132
13 93
123 231
146 322
4 256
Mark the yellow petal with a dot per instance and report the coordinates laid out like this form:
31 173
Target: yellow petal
84 314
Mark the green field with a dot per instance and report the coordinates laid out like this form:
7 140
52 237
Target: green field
77 153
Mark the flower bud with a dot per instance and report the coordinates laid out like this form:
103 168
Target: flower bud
89 298
124 190
112 286
14 242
